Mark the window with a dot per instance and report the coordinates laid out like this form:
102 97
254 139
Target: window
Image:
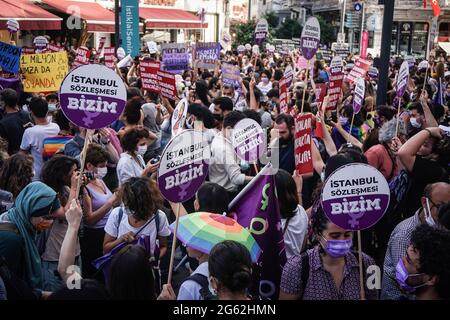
419 39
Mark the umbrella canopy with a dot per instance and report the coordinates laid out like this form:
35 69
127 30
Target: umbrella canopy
203 230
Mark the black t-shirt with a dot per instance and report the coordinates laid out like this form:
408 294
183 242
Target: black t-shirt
424 172
287 158
12 129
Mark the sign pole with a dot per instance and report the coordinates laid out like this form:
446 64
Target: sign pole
398 115
351 127
174 243
361 273
87 142
306 87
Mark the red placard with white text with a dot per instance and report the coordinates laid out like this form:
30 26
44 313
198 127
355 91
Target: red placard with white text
83 55
284 107
149 75
303 154
54 48
166 83
321 90
101 44
109 54
359 70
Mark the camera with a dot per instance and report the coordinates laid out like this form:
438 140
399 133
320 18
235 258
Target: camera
89 175
155 160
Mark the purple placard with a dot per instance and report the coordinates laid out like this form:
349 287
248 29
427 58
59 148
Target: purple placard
310 39
261 31
355 196
92 96
231 75
358 98
175 57
184 166
248 140
207 54
402 79
40 42
373 73
12 25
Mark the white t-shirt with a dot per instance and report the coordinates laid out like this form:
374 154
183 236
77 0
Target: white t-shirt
265 88
190 290
296 232
128 167
32 141
114 230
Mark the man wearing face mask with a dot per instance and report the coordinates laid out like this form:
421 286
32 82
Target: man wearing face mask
221 107
12 125
424 270
229 91
435 195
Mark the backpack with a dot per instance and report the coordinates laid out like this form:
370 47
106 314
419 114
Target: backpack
16 288
54 145
204 283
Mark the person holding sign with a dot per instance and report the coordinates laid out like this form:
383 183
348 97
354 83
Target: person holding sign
329 271
131 164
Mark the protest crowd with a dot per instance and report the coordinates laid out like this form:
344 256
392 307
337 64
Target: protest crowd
89 209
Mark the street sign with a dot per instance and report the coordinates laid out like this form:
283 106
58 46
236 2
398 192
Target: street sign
357 6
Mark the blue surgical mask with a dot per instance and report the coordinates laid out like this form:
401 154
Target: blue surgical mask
402 276
337 248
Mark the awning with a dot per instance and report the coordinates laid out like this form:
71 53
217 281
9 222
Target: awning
29 16
98 18
162 18
445 46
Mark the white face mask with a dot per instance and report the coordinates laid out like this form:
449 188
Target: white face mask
142 150
188 84
52 107
428 217
101 172
414 123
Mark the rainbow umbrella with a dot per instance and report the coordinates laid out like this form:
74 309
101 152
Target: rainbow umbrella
203 230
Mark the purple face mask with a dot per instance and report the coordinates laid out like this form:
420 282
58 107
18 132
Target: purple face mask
402 275
337 248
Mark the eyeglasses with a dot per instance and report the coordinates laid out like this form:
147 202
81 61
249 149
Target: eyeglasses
438 207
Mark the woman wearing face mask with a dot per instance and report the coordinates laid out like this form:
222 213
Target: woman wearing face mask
131 164
329 271
34 210
98 202
340 133
265 85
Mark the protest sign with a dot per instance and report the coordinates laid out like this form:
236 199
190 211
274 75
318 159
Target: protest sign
152 47
411 61
255 49
321 91
359 70
184 166
248 47
207 54
166 84
40 42
303 131
82 58
12 83
335 84
43 72
149 75
101 44
92 96
129 26
358 98
12 25
226 40
324 53
9 57
248 140
109 57
310 38
121 53
284 106
179 116
54 48
341 49
27 50
355 196
364 44
231 75
402 79
125 62
241 49
373 73
174 57
284 46
289 75
302 63
261 31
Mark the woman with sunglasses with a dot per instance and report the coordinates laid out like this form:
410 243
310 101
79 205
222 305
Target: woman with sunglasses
34 211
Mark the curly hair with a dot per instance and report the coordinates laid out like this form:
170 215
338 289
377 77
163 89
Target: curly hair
141 196
96 154
16 173
56 170
131 138
433 246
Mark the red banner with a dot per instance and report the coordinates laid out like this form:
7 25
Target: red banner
54 48
109 55
364 44
335 86
359 70
166 82
284 107
149 76
27 50
101 44
321 90
303 156
83 55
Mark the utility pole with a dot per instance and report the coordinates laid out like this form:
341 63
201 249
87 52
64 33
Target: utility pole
386 36
344 5
363 7
117 24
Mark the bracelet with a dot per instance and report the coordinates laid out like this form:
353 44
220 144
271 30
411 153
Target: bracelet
429 132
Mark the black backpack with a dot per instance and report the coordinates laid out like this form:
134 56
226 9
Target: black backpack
204 283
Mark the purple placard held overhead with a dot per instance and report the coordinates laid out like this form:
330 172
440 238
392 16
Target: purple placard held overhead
358 98
402 79
310 38
231 75
92 96
355 196
207 54
261 31
248 140
184 166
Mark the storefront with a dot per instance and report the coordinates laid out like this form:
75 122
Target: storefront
409 38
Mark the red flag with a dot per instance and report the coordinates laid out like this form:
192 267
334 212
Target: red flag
435 6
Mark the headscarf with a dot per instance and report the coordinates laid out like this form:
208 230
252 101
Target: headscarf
32 198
